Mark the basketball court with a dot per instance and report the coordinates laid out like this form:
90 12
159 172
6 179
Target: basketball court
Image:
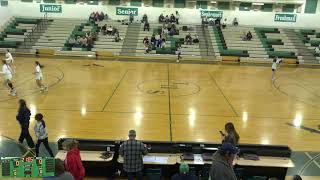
169 102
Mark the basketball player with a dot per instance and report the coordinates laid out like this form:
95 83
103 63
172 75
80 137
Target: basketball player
39 77
275 63
7 71
9 60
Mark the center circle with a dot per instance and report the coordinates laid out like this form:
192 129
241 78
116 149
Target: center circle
175 87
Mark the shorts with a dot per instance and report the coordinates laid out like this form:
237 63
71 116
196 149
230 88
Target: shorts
39 77
8 77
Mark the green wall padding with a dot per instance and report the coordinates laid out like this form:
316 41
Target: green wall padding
311 6
202 5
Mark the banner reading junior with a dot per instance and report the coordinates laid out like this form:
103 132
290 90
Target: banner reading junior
50 8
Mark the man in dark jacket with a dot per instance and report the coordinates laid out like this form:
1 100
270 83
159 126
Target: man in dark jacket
222 167
23 117
132 152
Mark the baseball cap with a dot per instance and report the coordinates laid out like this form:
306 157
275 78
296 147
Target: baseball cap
183 168
228 147
132 133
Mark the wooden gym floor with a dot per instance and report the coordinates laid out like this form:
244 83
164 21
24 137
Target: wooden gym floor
178 102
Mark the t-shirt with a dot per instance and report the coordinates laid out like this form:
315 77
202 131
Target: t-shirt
274 64
38 70
6 70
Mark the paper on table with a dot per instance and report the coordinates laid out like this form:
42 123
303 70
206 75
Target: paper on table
198 159
156 159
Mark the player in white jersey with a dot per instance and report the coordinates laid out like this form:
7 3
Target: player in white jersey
275 63
9 60
39 77
7 71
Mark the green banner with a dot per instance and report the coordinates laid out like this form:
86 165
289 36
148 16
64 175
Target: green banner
126 11
50 8
211 14
285 17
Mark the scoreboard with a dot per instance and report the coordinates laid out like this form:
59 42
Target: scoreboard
32 167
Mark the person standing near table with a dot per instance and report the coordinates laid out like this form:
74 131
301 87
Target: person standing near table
132 152
73 162
23 117
42 135
230 134
222 164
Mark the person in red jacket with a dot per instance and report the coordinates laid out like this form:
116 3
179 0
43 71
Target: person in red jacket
73 162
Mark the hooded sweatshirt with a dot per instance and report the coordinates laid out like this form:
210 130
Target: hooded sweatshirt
220 169
74 165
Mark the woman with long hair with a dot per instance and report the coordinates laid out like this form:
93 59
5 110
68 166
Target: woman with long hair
73 162
39 77
42 135
23 117
230 134
8 72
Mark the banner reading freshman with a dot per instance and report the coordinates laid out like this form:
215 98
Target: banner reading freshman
126 11
285 17
211 14
50 8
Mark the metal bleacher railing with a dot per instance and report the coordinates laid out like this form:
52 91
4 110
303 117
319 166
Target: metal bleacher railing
39 27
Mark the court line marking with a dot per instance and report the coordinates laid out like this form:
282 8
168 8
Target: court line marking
36 92
290 96
114 91
309 162
169 101
225 97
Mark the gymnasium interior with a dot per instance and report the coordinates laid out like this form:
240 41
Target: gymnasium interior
117 65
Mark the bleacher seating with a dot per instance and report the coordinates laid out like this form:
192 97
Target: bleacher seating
14 33
106 43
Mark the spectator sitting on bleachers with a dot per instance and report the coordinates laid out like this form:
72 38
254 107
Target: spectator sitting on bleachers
222 163
205 21
163 43
79 41
117 37
317 51
196 39
146 26
109 30
235 22
224 23
72 41
101 16
161 18
165 32
172 18
247 36
153 40
218 21
177 17
144 18
166 20
114 31
146 41
92 17
188 39
104 29
183 173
